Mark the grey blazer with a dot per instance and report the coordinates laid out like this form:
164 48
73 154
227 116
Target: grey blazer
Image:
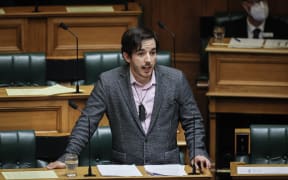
174 101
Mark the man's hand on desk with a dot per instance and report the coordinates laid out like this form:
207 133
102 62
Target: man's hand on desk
56 165
201 162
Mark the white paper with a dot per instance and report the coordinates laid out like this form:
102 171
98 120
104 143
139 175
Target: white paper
276 43
83 9
262 170
29 175
245 43
51 90
118 170
2 11
166 170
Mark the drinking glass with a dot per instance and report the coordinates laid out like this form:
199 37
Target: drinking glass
71 161
219 33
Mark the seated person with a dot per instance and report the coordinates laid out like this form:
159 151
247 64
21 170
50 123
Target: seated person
257 23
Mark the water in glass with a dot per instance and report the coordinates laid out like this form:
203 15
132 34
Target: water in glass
71 161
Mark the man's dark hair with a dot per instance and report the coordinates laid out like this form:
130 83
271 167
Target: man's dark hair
132 39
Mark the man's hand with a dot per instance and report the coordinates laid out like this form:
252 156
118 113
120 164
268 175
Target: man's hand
56 165
201 162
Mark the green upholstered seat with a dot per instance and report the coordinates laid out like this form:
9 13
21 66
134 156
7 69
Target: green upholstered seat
17 149
164 58
268 145
25 69
97 62
101 148
223 17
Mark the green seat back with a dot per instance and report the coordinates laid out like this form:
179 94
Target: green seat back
23 69
97 62
101 148
17 149
269 144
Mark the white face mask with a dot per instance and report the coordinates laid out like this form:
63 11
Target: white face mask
259 11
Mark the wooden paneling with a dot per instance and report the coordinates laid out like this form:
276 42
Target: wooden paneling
42 116
94 33
259 71
183 22
47 115
37 35
244 81
24 31
182 17
13 34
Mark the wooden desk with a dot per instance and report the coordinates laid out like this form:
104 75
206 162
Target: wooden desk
206 175
47 115
245 81
23 30
236 176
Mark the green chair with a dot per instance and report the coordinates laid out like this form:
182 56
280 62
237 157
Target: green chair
97 62
23 69
221 18
268 144
18 150
101 148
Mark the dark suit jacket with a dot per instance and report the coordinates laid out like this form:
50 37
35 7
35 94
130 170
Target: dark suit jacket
238 28
174 100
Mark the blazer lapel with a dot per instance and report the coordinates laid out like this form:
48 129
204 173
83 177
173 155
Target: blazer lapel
159 95
126 91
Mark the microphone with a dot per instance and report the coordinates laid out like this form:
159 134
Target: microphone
194 172
163 26
36 7
194 163
66 28
125 5
75 106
